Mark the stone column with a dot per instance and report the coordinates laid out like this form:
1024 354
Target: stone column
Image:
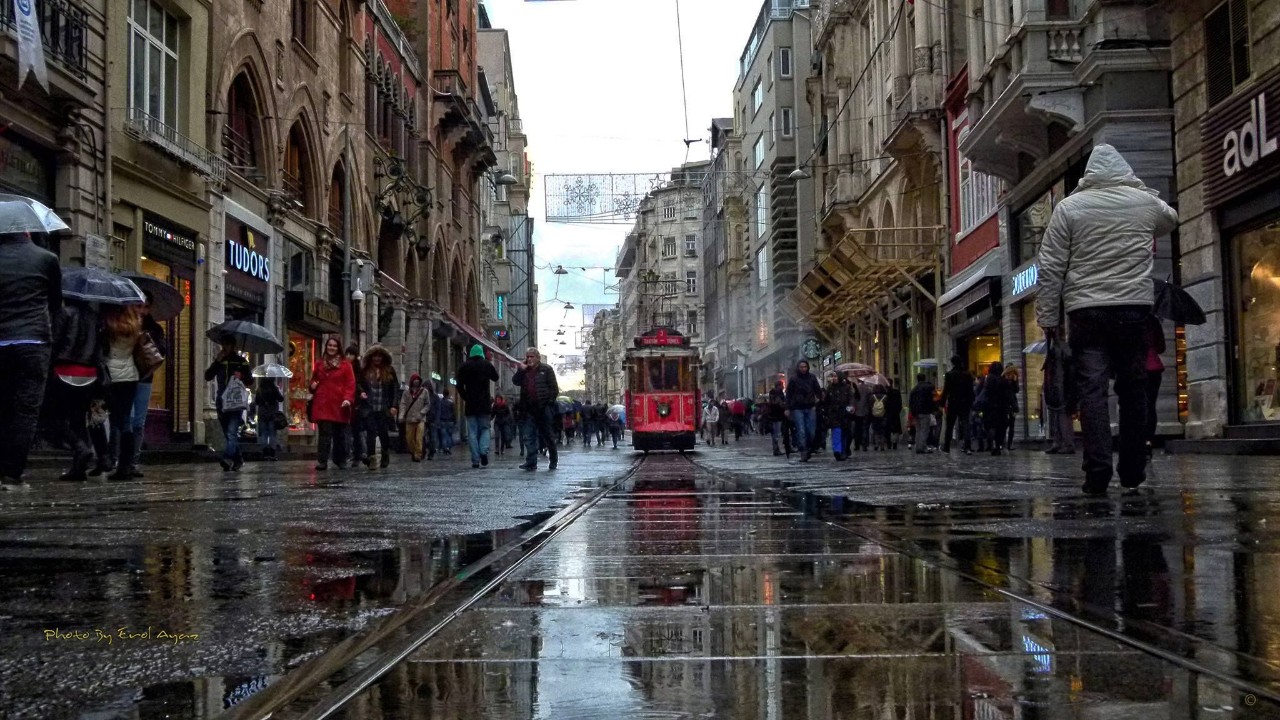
844 134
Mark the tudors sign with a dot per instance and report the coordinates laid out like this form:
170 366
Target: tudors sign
248 253
1242 141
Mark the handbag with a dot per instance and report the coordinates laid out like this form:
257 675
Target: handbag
280 420
146 355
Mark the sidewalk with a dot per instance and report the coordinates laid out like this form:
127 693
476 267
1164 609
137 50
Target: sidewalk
1190 564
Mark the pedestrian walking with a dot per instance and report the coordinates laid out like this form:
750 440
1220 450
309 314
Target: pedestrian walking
122 333
350 448
879 402
1095 266
154 333
415 403
837 403
503 424
777 417
710 423
231 377
77 356
993 404
378 391
333 391
446 422
475 379
31 301
922 406
1012 386
538 391
614 418
270 419
803 396
862 418
957 399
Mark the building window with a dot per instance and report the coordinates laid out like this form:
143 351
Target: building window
784 62
669 212
240 132
153 62
762 212
299 21
773 128
759 151
979 195
1226 38
762 267
691 322
669 285
301 268
691 282
1057 9
788 122
337 223
690 245
668 247
296 168
762 327
757 97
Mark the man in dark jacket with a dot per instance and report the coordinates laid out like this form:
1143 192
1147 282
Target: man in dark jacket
538 391
803 395
957 398
31 301
922 406
474 378
778 415
226 365
838 405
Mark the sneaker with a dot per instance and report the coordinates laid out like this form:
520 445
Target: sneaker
226 466
475 466
1132 483
239 463
1094 489
528 467
13 485
552 466
484 460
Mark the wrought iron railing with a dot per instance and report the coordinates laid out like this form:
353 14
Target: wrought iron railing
237 150
155 132
63 29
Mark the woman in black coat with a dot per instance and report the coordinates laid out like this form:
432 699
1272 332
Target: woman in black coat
996 401
77 369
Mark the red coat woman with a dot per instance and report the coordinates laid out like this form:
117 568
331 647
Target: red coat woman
333 391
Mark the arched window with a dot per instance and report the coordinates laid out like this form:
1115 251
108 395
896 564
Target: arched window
297 168
335 200
242 131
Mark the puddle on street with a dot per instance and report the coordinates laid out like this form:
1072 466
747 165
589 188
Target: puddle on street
687 599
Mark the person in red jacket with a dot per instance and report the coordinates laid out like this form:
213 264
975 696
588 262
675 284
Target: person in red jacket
333 389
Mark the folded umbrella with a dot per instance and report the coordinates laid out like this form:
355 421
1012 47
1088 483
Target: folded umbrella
99 286
927 363
248 336
166 301
20 214
1040 347
1174 303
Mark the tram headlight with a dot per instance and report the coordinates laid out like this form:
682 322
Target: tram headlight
664 409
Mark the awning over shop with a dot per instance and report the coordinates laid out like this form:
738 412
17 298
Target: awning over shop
499 355
975 276
864 266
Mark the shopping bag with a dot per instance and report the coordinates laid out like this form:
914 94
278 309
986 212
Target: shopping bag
837 441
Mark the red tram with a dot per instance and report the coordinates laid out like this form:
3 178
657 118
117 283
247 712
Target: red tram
664 405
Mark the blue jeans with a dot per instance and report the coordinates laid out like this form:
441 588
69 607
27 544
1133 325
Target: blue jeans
478 436
779 429
266 431
141 404
444 436
231 422
536 432
806 421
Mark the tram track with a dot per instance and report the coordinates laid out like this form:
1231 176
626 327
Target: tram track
294 696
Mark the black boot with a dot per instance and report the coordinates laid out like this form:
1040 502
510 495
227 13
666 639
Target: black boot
79 467
386 458
124 471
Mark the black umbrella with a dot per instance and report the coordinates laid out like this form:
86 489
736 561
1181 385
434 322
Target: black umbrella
166 301
248 336
99 286
1174 303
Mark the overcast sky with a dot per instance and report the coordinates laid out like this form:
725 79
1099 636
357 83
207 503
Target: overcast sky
599 89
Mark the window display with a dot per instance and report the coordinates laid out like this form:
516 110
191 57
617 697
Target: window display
302 353
1258 327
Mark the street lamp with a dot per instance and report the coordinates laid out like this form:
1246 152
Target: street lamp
799 174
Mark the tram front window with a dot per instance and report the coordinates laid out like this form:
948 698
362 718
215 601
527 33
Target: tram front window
666 375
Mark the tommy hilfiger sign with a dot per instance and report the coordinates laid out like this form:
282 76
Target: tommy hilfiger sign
1242 141
250 255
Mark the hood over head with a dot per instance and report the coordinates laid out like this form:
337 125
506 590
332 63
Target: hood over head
996 368
805 363
1108 168
476 351
377 350
414 378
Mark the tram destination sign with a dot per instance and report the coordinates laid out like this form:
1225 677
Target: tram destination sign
662 337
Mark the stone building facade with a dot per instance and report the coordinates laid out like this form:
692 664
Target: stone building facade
1226 100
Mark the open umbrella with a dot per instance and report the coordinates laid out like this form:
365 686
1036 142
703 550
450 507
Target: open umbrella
617 413
872 379
100 286
855 369
248 336
1039 347
272 370
166 301
927 363
1174 303
20 214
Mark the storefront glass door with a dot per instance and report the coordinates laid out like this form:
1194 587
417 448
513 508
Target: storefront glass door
1258 327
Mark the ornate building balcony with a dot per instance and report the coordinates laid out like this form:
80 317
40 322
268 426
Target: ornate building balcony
1035 82
463 122
65 34
168 140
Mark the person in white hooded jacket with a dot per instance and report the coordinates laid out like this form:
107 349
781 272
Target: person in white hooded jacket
1095 265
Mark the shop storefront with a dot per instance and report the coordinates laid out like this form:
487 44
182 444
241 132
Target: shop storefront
248 278
26 169
1241 166
971 311
1023 286
308 320
169 255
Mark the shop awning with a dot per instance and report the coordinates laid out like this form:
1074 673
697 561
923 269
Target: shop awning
972 289
499 355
